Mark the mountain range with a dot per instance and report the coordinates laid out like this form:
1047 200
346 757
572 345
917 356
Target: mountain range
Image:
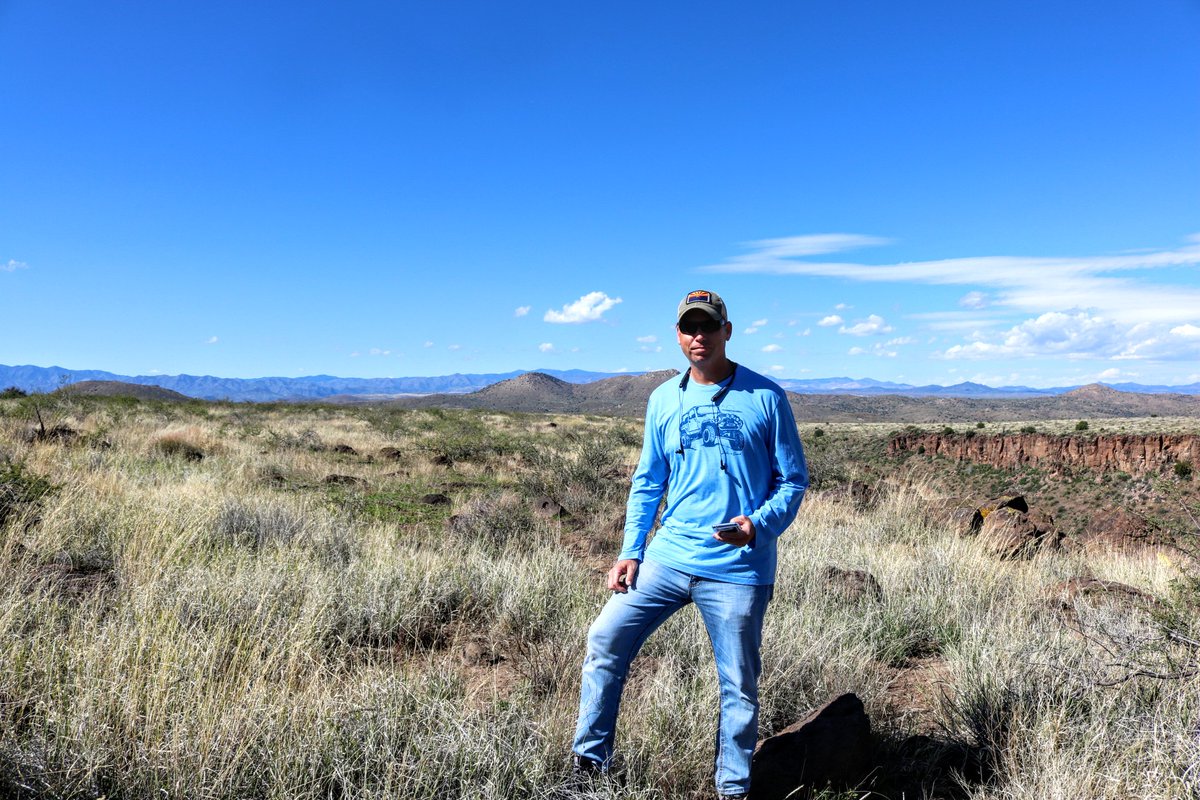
327 387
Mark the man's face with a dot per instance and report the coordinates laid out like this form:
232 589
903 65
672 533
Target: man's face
702 347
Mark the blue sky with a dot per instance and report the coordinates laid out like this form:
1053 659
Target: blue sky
925 192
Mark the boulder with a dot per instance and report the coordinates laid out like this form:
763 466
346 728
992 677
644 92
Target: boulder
966 521
862 495
1118 530
391 453
345 450
435 499
1009 533
547 509
344 480
851 585
831 747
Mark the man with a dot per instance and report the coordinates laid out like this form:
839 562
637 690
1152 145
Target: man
721 443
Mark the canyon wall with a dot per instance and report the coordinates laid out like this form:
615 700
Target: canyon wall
1131 453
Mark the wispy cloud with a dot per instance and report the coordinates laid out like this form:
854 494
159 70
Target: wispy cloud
649 339
546 347
211 340
1028 283
973 300
13 266
521 311
772 348
589 308
379 351
830 321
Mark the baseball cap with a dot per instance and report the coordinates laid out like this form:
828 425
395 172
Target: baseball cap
708 302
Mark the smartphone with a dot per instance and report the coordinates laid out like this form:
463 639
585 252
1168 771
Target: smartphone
726 527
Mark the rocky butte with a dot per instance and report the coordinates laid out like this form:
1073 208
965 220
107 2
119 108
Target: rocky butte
1135 454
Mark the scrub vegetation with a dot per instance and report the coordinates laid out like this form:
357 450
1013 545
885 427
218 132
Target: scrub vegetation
212 600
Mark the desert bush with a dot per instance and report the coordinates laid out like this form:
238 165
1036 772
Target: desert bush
179 446
13 393
495 522
20 489
1183 469
1081 425
584 475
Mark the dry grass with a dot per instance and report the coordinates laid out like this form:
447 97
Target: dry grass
237 627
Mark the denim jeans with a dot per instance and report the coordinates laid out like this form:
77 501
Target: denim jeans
733 616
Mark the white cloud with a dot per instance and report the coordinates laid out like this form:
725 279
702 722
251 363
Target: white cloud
589 308
830 321
856 351
758 323
428 344
211 340
376 351
454 347
776 368
805 332
521 311
651 339
648 349
901 340
13 266
772 348
842 307
973 300
1081 335
546 347
750 330
871 326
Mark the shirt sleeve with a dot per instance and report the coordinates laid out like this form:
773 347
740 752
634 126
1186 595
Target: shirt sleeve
789 475
649 484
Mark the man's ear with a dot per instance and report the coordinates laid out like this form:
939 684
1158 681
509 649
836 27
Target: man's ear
728 331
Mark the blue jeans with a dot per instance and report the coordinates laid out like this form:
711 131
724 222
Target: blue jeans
733 616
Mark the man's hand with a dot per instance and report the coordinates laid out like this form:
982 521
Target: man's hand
622 575
743 536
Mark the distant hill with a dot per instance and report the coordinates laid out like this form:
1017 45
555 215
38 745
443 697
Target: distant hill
330 388
623 395
121 389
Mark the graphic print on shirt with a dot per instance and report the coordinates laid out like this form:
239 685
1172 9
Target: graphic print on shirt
707 425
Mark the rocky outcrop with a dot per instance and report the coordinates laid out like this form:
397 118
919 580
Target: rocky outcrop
832 747
1131 453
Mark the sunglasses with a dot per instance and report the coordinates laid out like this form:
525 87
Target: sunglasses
692 327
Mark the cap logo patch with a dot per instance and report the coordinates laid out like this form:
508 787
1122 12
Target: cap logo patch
699 297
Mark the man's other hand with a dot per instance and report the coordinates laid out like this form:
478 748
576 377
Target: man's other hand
743 536
621 577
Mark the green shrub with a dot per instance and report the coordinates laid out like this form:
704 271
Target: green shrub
947 431
1028 429
20 488
818 433
1081 425
978 424
1183 469
13 393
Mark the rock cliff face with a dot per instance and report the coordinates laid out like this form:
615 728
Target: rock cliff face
1135 454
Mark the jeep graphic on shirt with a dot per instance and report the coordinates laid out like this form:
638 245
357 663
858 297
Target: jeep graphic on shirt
708 425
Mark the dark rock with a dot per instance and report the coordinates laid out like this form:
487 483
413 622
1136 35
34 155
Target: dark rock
966 521
435 500
851 585
391 453
441 460
1014 501
1010 534
344 480
345 450
831 747
1118 530
547 508
1062 595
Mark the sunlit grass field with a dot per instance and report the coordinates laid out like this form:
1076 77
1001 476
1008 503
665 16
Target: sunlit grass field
238 601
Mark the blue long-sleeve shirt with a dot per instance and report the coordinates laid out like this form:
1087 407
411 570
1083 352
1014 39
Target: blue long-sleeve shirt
687 438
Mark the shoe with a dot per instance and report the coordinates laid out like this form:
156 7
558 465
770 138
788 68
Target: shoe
584 767
741 796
